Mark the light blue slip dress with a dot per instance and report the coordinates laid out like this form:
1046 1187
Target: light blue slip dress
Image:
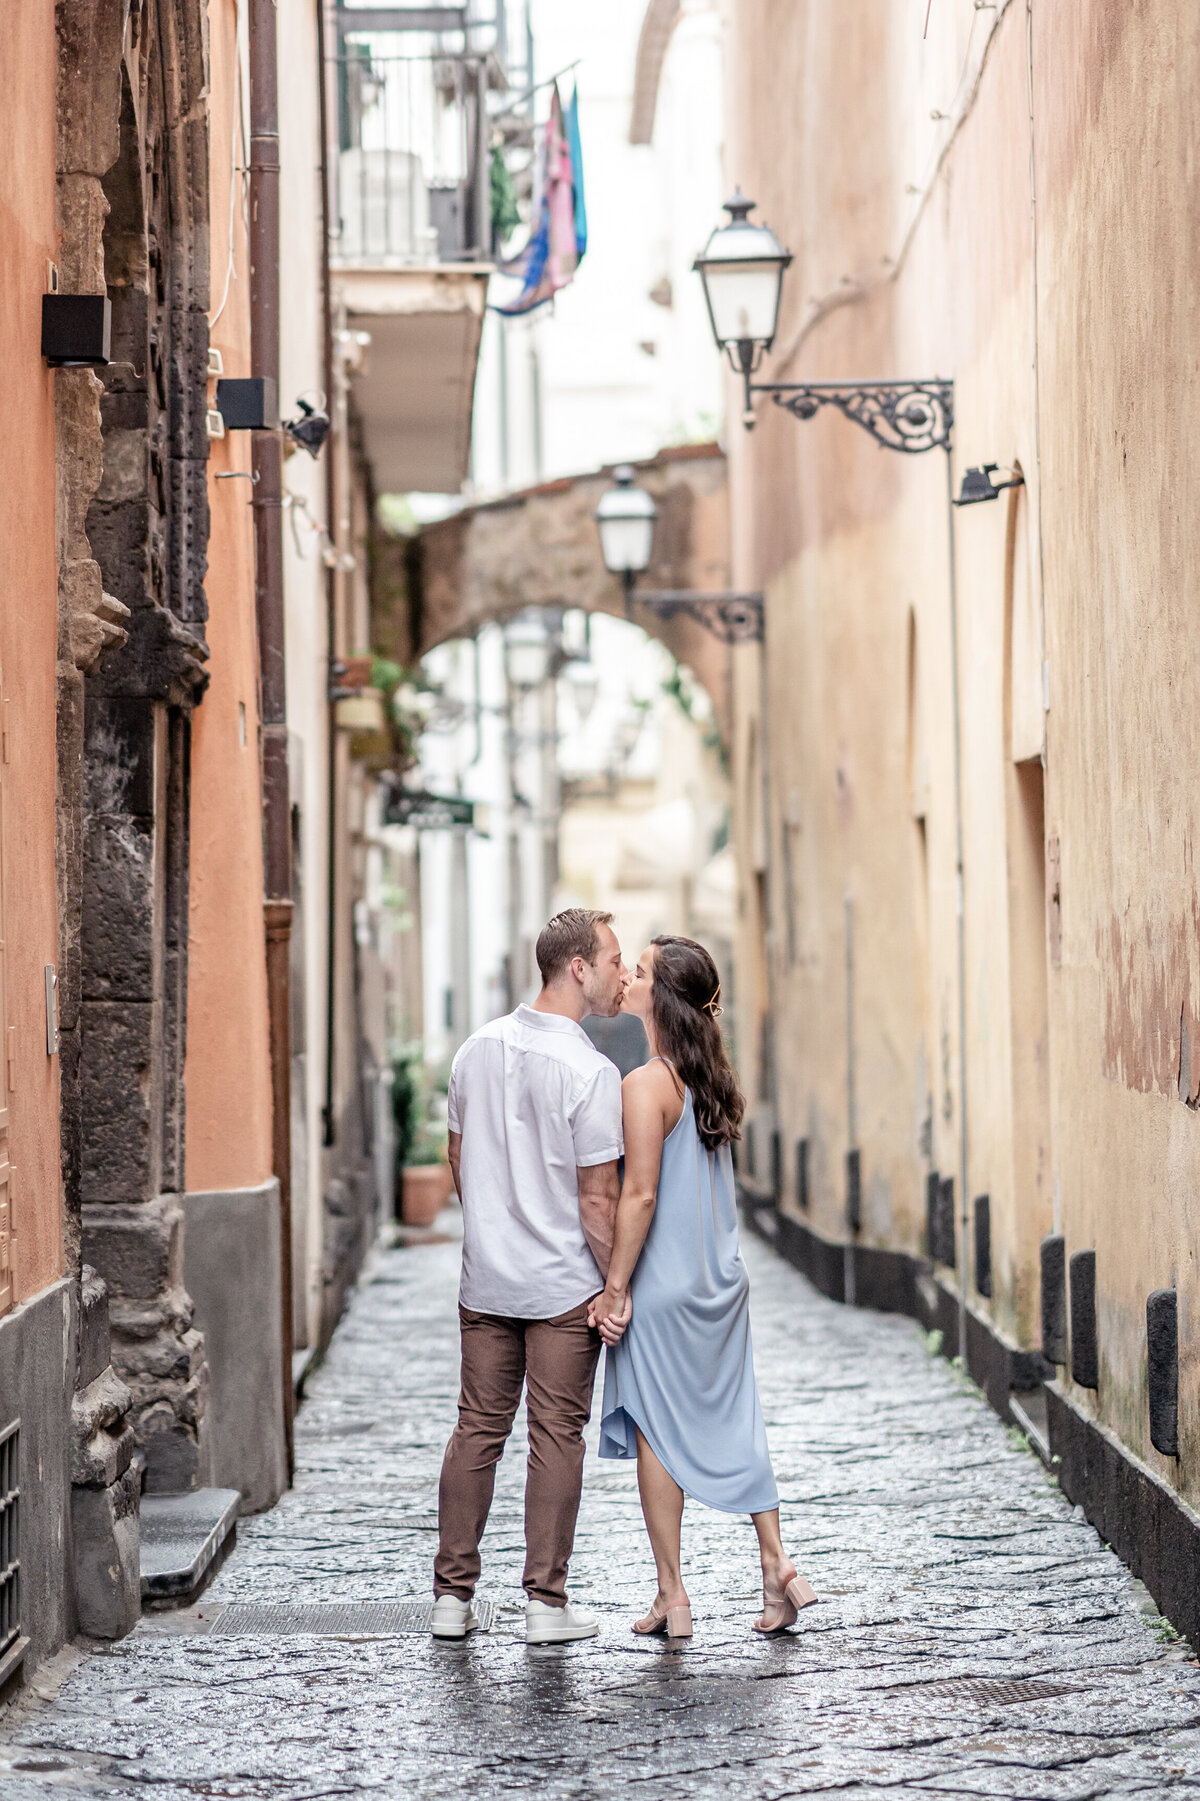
684 1371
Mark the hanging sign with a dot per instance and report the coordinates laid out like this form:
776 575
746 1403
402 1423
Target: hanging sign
428 812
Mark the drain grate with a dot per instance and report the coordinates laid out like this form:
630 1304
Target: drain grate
999 1693
384 1619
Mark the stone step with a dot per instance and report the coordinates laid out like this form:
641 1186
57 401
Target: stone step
184 1537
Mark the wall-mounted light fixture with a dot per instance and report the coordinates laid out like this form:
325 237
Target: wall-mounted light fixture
527 652
310 430
977 484
76 330
742 269
625 517
248 403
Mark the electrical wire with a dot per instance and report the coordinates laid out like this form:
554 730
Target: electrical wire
234 167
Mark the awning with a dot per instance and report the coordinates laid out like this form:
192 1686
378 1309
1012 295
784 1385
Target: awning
416 391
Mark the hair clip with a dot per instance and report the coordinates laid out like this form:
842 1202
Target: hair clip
710 1005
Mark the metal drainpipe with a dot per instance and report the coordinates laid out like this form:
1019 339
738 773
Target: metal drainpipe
329 1134
964 1204
268 584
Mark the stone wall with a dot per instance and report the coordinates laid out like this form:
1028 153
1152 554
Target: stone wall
132 156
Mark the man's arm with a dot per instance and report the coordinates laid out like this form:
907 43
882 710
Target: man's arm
455 1155
599 1192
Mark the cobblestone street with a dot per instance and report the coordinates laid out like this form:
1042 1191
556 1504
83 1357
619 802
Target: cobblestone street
942 1554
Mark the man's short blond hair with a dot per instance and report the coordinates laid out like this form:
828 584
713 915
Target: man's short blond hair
570 934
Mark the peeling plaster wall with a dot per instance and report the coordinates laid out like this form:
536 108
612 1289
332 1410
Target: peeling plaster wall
915 243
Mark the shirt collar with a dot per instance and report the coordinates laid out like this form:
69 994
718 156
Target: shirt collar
549 1022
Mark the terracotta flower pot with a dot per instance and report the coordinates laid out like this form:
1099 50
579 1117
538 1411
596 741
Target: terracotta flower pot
422 1192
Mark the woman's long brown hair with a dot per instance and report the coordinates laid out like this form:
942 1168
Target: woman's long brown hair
684 1003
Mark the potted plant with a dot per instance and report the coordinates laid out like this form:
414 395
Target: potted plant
406 1109
425 1181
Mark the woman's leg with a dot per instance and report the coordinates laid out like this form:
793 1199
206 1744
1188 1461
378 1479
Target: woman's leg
662 1509
777 1567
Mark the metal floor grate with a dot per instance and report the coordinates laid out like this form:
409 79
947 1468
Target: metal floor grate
10 1535
384 1619
995 1690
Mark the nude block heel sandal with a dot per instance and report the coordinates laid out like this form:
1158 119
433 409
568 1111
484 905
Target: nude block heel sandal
800 1593
779 1611
676 1622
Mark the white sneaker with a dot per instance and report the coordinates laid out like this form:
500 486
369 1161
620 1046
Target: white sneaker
453 1618
546 1625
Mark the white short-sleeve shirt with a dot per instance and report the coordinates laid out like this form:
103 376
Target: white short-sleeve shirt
534 1100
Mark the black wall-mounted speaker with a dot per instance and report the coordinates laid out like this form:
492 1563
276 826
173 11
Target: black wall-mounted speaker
248 403
76 330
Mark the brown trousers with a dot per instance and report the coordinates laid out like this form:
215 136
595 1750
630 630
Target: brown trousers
556 1360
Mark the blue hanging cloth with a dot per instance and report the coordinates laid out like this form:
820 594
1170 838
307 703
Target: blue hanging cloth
551 257
575 144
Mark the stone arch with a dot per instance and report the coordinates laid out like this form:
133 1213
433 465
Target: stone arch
540 547
658 23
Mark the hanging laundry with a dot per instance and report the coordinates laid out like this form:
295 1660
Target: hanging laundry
551 257
576 146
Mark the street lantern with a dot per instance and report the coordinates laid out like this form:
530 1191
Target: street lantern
626 518
583 681
526 653
741 268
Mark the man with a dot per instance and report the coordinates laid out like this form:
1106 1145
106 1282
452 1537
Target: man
535 1134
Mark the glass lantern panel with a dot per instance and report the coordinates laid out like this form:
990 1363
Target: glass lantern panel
744 300
527 662
626 543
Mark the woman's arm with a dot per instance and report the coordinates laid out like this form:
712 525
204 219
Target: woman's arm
645 1130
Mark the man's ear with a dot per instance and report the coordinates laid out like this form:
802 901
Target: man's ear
577 965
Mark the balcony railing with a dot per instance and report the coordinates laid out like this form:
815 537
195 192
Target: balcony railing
412 168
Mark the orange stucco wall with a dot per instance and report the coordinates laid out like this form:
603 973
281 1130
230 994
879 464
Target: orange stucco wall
29 634
228 1057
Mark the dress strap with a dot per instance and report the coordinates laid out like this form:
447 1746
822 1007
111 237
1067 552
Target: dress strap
667 1060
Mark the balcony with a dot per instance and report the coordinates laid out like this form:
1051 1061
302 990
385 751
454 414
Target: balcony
411 245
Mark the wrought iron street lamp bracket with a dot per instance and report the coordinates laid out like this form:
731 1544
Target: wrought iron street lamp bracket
910 416
732 615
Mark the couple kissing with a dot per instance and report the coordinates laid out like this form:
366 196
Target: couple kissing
566 1249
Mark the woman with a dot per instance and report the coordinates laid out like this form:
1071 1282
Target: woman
679 1390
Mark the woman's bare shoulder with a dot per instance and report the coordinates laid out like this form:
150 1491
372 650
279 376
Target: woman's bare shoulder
653 1080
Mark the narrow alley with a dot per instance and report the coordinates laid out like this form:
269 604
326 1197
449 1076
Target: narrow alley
974 1636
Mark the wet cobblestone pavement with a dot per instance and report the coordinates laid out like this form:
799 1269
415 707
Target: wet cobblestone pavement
942 1553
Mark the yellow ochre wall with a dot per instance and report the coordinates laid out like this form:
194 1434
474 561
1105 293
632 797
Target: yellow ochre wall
1047 264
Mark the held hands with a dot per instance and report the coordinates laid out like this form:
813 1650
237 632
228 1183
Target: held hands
610 1312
